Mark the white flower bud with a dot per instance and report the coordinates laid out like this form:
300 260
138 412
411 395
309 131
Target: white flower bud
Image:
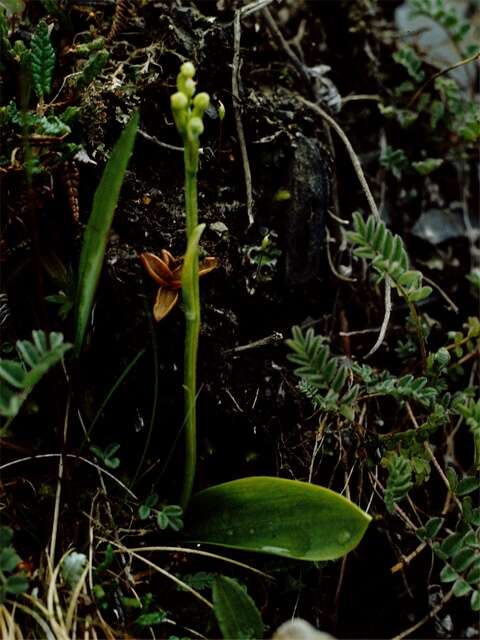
187 69
189 88
178 101
195 127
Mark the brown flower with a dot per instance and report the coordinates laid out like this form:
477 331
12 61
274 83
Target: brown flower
167 273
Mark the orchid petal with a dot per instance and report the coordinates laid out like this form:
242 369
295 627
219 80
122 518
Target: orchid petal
165 301
156 268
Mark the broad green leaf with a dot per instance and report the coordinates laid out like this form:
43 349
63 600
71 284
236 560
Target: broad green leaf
451 544
143 511
463 559
98 228
452 478
475 601
424 167
461 588
410 278
474 572
467 485
433 526
447 574
16 584
10 402
6 536
13 373
278 516
235 611
149 619
8 559
419 294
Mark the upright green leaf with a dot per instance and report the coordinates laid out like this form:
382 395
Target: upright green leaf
98 228
235 611
278 516
43 60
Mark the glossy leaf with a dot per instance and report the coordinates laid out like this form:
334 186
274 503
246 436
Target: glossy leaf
278 516
433 526
235 611
467 485
96 234
448 574
475 601
461 588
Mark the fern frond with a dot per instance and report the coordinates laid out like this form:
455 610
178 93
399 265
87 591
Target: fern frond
124 10
387 255
399 481
405 388
19 377
319 371
42 60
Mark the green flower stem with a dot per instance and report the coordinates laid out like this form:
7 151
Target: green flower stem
191 301
418 326
188 110
191 152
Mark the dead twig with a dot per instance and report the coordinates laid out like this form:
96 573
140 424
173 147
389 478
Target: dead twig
124 10
333 269
431 455
433 612
159 143
371 202
449 301
58 492
275 338
44 456
295 60
237 33
460 63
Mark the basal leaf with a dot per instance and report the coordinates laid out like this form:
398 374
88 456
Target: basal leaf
278 516
235 611
98 228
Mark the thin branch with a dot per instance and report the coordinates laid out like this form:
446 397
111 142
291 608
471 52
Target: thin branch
163 572
254 6
476 56
333 269
275 338
433 612
297 63
159 143
407 559
450 302
69 455
237 32
58 493
386 318
371 202
353 156
431 455
200 552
